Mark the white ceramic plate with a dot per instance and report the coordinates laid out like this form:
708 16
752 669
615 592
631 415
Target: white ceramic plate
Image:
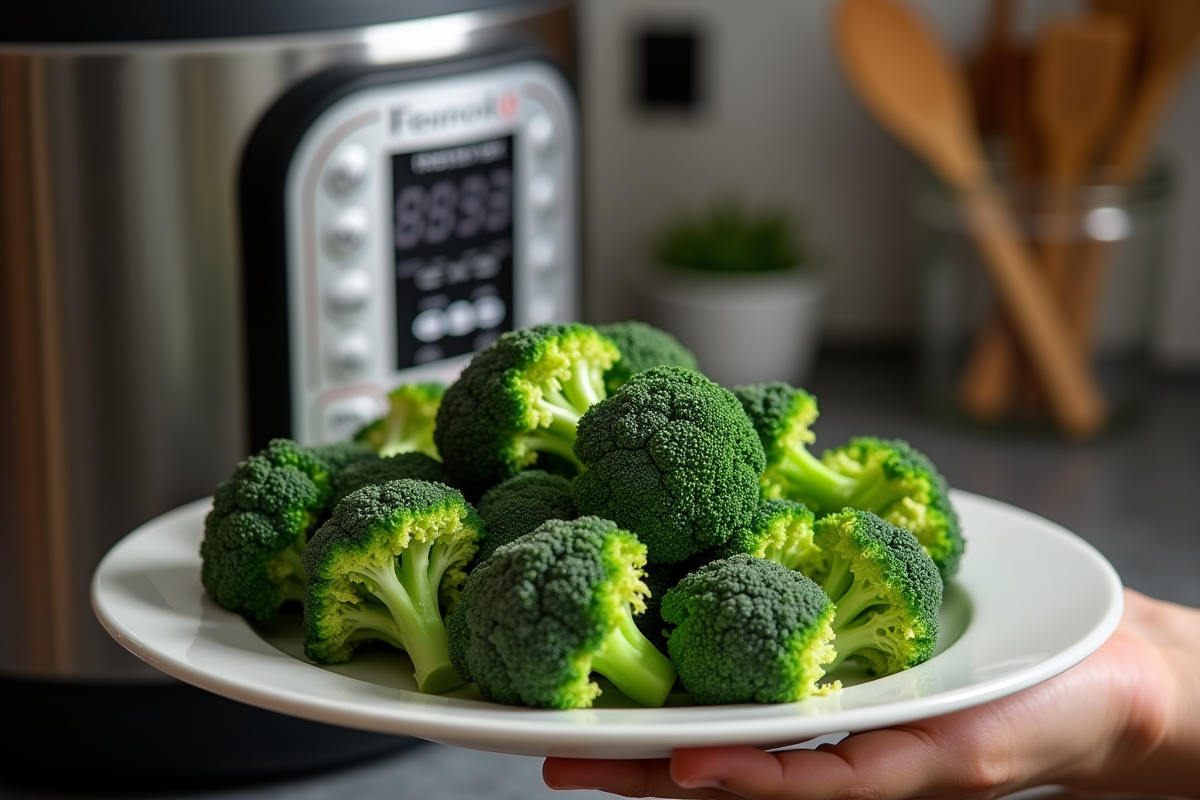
1031 600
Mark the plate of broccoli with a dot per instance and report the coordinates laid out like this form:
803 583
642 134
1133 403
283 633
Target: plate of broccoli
585 547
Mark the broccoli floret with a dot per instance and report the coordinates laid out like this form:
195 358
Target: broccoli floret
747 629
886 476
520 396
909 492
381 470
782 532
383 567
672 457
643 346
523 502
408 425
544 612
259 526
886 589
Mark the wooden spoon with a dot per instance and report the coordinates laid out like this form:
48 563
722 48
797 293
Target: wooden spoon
1171 38
907 80
1080 71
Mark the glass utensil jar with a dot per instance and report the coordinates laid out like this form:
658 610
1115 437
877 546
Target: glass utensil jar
1101 250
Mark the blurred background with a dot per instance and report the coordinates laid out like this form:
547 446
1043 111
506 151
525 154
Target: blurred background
148 158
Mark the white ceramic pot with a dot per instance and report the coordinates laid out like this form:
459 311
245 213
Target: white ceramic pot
744 328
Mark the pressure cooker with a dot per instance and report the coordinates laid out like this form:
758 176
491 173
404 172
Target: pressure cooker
227 221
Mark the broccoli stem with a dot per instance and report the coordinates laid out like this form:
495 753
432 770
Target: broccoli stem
368 620
565 403
808 479
875 632
559 446
403 585
582 389
861 596
874 492
634 665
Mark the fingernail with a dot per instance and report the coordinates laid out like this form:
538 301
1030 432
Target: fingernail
700 783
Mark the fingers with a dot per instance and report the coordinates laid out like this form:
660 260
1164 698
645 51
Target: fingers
880 765
650 778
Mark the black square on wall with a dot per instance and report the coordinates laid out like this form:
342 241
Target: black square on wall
668 68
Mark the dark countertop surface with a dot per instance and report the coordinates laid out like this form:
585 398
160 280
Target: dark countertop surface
1129 493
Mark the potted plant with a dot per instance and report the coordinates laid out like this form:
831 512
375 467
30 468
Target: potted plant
736 287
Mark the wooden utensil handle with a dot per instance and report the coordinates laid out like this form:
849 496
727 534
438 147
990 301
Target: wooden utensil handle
1083 306
985 388
1075 398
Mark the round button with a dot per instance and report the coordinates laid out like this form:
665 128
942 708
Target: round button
489 311
429 325
542 193
352 354
350 292
348 170
349 231
541 133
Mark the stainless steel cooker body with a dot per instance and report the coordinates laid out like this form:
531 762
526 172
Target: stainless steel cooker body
121 342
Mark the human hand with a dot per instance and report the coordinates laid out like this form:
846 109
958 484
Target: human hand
1125 719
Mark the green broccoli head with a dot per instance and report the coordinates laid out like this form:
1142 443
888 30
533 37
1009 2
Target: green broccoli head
518 505
547 610
672 457
384 567
901 485
258 527
521 396
643 346
748 630
782 532
886 476
886 589
392 468
408 425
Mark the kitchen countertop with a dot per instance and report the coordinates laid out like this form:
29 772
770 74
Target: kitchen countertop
1128 493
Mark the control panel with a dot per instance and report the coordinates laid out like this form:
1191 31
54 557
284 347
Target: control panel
423 219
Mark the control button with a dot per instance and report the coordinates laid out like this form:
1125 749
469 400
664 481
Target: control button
489 311
541 133
352 354
348 171
350 292
459 318
429 325
542 254
344 417
542 193
349 231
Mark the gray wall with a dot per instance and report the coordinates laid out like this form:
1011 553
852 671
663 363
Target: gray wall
780 126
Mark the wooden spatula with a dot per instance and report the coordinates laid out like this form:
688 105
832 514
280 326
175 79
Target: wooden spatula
1080 67
907 80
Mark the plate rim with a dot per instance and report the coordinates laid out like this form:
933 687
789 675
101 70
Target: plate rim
499 727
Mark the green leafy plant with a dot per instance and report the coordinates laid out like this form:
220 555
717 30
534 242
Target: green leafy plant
732 239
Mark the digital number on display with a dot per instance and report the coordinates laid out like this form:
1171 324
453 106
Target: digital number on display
452 232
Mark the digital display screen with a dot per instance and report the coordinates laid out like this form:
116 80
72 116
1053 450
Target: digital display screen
452 227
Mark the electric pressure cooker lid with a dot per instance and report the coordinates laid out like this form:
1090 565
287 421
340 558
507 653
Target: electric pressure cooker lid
65 21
